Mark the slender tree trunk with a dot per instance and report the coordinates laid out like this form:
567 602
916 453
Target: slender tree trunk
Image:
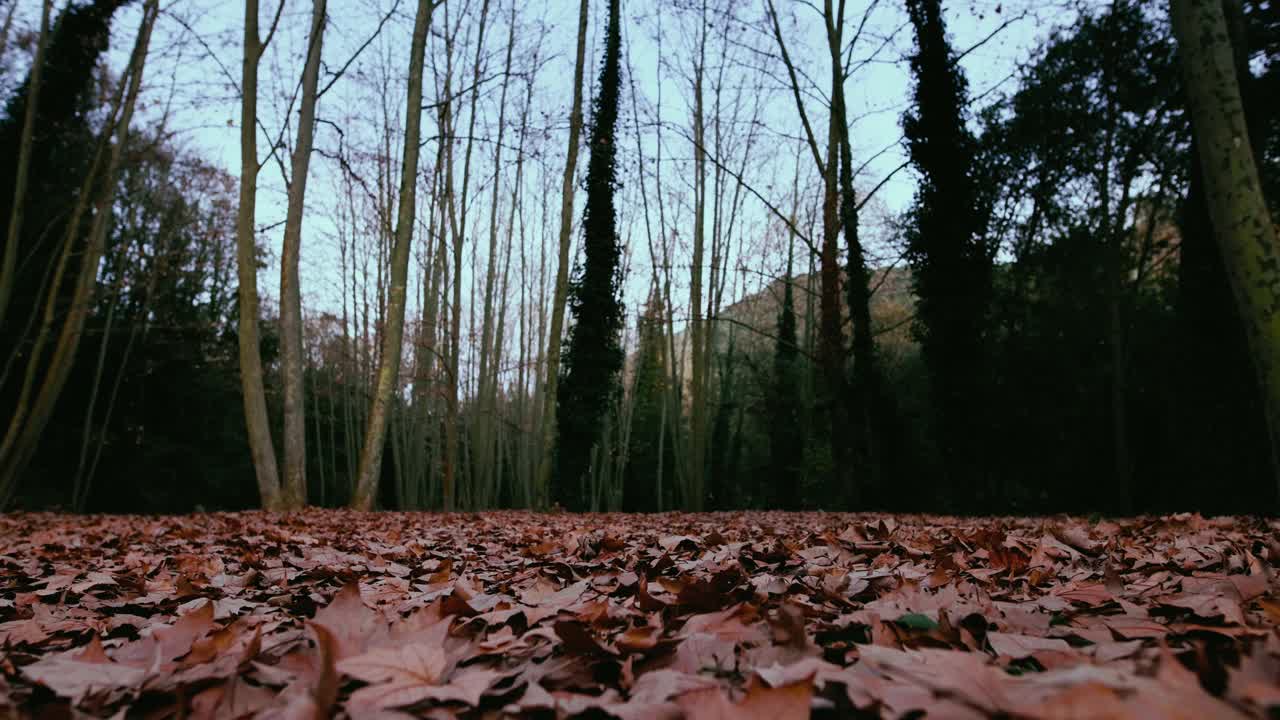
389 363
517 216
486 424
9 260
831 351
864 392
455 469
697 333
8 25
255 399
291 351
1241 221
547 465
316 428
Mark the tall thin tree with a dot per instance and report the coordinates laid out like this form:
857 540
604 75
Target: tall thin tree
593 354
389 362
831 349
251 384
292 362
948 252
9 258
546 467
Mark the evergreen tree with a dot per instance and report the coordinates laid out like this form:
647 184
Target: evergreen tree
722 492
786 442
948 252
650 457
593 354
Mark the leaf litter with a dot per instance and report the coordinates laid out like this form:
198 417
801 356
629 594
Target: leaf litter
762 615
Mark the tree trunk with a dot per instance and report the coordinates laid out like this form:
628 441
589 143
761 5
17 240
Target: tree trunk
1241 221
389 363
547 466
831 350
8 25
291 351
864 392
9 260
486 423
255 399
697 333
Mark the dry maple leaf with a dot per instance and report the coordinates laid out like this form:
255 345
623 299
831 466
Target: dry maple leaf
352 624
77 679
1019 647
789 702
415 663
466 687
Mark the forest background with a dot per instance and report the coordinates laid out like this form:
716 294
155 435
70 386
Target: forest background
971 269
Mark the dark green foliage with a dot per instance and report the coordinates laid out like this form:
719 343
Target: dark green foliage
649 448
869 412
1102 102
63 144
593 355
78 39
1091 148
786 443
167 414
726 432
949 254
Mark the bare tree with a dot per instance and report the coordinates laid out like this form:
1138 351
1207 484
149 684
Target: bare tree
550 383
255 399
697 332
830 336
393 335
490 352
291 345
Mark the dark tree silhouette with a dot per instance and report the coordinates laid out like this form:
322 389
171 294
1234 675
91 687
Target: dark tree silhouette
650 458
786 442
948 252
593 355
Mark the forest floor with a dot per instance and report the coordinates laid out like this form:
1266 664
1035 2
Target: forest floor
743 615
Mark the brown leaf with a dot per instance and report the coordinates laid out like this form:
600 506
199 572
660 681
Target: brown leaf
233 698
1023 646
413 664
77 679
467 687
789 702
352 624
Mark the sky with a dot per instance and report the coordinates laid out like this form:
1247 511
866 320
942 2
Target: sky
193 77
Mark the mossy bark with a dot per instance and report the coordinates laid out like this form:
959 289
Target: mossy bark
1242 224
